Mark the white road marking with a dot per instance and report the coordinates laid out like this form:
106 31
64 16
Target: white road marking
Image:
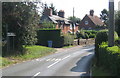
53 59
82 73
37 59
57 59
66 57
48 60
52 64
36 75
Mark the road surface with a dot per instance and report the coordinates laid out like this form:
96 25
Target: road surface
70 62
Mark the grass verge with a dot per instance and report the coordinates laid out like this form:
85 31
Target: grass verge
32 52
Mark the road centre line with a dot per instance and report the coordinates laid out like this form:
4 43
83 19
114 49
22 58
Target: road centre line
66 57
58 61
52 64
36 75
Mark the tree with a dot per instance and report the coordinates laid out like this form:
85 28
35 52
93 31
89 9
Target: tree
22 19
117 23
54 11
75 19
104 16
48 25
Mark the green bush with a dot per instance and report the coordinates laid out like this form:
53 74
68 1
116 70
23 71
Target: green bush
109 57
91 33
102 36
85 36
68 39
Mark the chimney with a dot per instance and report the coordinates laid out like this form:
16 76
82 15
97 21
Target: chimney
91 12
61 13
48 12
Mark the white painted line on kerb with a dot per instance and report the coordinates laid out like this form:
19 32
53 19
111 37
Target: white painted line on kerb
52 64
36 75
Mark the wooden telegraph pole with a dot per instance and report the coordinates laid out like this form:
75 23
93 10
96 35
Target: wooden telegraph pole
111 27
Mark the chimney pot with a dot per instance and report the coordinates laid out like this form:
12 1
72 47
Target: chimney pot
61 13
91 12
48 11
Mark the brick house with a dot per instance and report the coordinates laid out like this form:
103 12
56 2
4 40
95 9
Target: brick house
91 21
59 20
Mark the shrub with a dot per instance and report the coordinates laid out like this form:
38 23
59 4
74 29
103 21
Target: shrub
101 36
86 36
92 35
68 39
109 57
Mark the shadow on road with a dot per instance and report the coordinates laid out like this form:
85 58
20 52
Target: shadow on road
84 64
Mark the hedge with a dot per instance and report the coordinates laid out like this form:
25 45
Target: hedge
109 57
102 36
68 39
91 33
45 35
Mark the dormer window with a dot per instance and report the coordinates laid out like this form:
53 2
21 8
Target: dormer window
86 22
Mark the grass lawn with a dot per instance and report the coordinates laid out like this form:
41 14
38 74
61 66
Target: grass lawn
31 53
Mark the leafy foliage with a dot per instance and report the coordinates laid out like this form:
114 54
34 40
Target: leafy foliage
104 16
101 37
74 19
117 22
48 25
68 39
109 57
54 11
22 19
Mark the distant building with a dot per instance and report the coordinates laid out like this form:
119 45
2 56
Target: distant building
59 20
90 21
119 5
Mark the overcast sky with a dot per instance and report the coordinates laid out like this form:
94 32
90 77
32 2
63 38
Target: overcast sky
82 7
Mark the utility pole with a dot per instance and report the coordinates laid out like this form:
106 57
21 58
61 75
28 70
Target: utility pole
73 21
111 27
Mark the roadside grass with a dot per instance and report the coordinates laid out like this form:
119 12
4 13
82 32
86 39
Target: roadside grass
32 52
5 62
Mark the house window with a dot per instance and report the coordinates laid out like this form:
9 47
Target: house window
86 22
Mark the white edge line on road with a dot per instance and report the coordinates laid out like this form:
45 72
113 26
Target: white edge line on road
36 74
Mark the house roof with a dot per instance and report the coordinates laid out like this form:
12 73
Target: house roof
96 20
54 19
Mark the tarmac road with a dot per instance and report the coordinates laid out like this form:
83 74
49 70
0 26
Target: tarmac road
70 62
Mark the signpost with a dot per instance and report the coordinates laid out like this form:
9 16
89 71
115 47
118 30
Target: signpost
111 27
